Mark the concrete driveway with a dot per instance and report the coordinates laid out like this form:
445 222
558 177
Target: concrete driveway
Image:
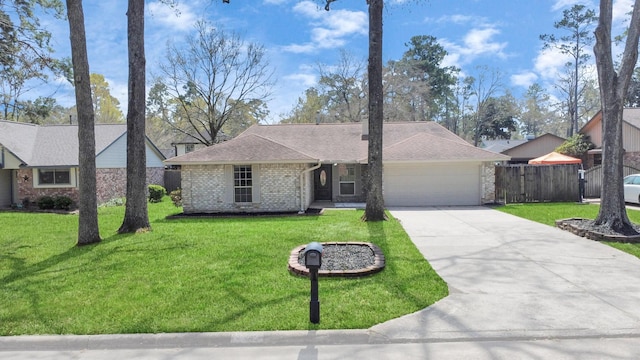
511 278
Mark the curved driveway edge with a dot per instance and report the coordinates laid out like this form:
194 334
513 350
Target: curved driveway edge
511 278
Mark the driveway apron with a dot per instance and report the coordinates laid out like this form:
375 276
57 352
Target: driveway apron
510 278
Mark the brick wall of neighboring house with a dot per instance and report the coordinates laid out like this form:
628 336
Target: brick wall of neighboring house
110 184
205 189
632 159
27 191
488 179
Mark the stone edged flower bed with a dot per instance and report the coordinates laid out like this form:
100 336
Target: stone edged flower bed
584 228
373 260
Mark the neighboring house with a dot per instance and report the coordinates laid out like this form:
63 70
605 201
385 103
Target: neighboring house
521 151
630 138
184 143
43 160
271 168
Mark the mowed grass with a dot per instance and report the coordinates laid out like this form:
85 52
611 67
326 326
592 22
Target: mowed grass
200 274
548 213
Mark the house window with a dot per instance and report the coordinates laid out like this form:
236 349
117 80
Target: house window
189 148
242 184
347 179
54 177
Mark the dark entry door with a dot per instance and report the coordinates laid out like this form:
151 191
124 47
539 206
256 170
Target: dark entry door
322 183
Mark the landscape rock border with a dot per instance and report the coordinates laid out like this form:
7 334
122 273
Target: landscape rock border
570 225
378 262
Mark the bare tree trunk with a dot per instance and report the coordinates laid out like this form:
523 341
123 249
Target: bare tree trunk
375 202
613 89
88 231
136 215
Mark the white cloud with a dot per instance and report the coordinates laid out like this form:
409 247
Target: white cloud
181 18
550 63
620 10
559 4
300 80
477 42
524 79
460 19
330 29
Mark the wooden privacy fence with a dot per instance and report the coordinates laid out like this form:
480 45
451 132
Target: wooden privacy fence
522 183
172 180
593 178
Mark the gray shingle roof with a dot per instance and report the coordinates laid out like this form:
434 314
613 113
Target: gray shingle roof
53 145
632 116
339 143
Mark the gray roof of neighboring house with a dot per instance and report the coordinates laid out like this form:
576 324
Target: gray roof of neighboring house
501 145
402 141
53 145
632 116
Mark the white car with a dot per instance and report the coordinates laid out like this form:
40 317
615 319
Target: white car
632 188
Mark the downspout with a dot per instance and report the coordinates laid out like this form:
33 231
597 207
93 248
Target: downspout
302 196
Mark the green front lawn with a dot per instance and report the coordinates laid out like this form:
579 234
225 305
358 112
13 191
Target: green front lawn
548 213
224 274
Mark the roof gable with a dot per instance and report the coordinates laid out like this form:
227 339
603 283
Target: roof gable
539 146
19 138
55 145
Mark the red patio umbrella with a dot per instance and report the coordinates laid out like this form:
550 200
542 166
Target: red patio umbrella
554 158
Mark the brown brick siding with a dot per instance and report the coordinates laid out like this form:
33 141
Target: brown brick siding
632 159
27 193
110 183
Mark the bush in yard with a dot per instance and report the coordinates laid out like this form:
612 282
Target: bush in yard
46 202
114 202
176 197
62 202
156 192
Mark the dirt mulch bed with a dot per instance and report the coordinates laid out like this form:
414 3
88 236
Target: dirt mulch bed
309 212
588 229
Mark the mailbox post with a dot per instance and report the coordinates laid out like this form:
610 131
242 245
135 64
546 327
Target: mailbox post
313 261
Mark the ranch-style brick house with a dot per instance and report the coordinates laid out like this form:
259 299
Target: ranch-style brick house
287 167
39 160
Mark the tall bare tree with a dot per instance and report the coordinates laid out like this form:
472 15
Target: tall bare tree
136 216
613 90
344 88
487 85
88 231
209 79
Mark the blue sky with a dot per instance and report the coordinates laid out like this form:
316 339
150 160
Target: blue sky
299 34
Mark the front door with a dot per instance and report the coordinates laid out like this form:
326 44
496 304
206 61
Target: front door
322 183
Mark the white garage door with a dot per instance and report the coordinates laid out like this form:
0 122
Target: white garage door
431 184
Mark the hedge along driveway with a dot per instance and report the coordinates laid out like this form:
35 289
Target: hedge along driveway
201 274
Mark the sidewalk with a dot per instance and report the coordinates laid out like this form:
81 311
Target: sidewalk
518 290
